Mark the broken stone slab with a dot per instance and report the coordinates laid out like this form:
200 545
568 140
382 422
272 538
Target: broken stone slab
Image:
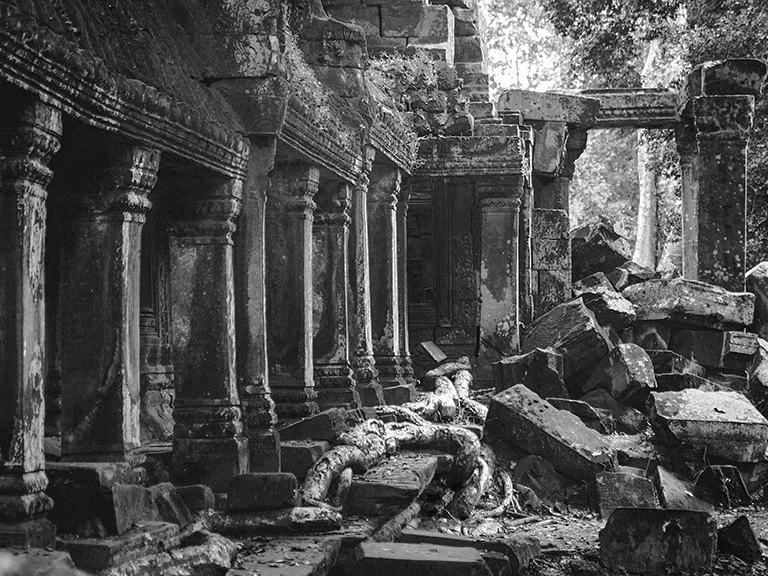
326 425
391 485
522 418
197 497
669 362
728 381
650 541
434 351
610 309
624 488
652 334
599 420
757 377
594 283
549 107
597 247
298 456
675 492
517 549
540 476
540 370
36 562
302 556
628 420
262 491
725 422
692 303
387 558
722 486
628 274
572 330
634 450
170 505
627 373
757 284
96 554
297 520
715 349
739 539
679 382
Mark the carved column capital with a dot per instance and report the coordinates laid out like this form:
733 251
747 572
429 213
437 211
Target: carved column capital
723 117
500 193
385 186
685 140
403 197
293 188
333 205
209 217
574 147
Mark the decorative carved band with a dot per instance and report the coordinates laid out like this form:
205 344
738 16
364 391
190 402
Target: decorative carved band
293 188
209 219
511 204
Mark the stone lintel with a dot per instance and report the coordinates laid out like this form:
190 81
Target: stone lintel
550 107
638 107
468 156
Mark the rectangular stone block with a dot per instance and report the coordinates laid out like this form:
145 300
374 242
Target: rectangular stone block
391 485
540 370
669 362
265 491
326 425
675 382
430 24
367 17
725 422
197 497
624 489
550 223
549 151
715 349
525 420
551 288
298 456
465 22
551 254
388 558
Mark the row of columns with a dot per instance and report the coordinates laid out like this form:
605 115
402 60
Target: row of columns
320 313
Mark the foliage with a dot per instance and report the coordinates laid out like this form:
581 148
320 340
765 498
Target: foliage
397 74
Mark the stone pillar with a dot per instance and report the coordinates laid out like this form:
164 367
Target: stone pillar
99 305
526 289
209 446
30 142
330 278
499 202
360 335
722 124
250 315
385 314
685 136
402 281
290 213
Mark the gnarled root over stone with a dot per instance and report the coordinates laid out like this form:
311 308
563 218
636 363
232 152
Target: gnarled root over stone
440 405
463 504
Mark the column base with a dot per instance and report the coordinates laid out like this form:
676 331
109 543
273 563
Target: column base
407 367
209 461
264 450
293 403
390 371
36 533
367 378
335 387
371 394
399 394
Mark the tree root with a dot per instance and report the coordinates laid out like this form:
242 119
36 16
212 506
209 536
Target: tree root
440 405
507 501
463 504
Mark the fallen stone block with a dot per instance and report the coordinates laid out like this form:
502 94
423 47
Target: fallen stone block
652 334
262 491
727 381
594 283
292 556
522 418
757 377
628 274
722 486
388 558
596 247
725 422
297 520
715 349
197 497
679 382
572 330
648 541
691 302
595 418
170 505
624 489
757 284
36 562
628 420
669 362
634 450
611 309
540 370
675 492
627 373
540 476
391 485
326 425
298 456
738 539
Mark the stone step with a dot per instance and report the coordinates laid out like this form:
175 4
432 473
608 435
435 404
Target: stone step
390 558
298 456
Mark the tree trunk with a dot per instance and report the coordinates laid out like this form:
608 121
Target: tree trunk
645 244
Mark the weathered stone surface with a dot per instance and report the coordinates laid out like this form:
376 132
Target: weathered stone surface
550 107
722 486
611 309
297 520
624 489
549 152
738 539
573 331
594 283
675 492
627 373
265 491
291 556
326 425
669 362
540 476
599 420
596 247
757 284
540 370
643 541
652 335
691 302
428 24
197 497
628 420
716 349
170 506
36 562
728 381
298 456
391 485
725 422
731 76
677 382
628 274
523 419
757 377
387 558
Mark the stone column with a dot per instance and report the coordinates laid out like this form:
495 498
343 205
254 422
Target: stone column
290 214
685 136
209 446
31 140
360 335
330 278
402 281
251 320
499 202
722 124
99 305
385 314
526 289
